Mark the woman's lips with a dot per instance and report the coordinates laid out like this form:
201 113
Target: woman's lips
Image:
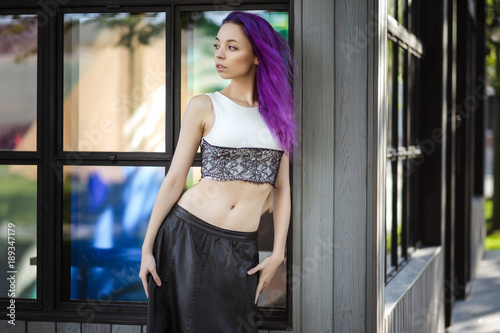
219 67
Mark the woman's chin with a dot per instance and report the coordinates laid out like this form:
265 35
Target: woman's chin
224 76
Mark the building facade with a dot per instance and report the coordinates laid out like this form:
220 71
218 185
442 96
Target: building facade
387 181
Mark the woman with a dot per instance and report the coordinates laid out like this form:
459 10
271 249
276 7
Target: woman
200 266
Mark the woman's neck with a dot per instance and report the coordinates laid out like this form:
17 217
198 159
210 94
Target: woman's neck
243 92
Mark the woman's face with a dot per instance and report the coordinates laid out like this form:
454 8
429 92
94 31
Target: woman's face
234 57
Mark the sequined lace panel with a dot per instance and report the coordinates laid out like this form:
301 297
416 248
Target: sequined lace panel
256 165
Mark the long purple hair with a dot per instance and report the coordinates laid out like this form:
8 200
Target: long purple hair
274 76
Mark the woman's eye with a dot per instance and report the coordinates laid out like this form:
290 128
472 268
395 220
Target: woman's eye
216 46
232 48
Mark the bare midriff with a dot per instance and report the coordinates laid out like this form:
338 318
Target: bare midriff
234 204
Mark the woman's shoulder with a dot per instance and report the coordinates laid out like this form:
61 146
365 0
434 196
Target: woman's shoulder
200 101
200 104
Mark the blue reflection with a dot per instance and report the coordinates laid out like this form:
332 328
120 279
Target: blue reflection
97 191
103 238
109 218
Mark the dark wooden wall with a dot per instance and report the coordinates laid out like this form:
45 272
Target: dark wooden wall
338 179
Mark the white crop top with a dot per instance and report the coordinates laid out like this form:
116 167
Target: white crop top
239 146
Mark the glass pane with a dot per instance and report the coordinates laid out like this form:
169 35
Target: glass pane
18 78
400 143
114 82
106 210
389 182
401 95
199 29
388 213
275 293
401 12
390 87
399 207
193 178
198 76
18 221
391 8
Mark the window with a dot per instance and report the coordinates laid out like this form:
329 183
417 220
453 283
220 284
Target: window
19 167
404 51
198 30
113 101
120 79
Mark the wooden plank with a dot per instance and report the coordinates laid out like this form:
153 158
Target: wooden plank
38 327
19 327
69 327
96 328
315 268
350 166
126 329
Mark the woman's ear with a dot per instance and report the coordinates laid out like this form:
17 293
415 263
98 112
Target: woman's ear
257 61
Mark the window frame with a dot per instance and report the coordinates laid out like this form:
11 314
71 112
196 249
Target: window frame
50 158
409 151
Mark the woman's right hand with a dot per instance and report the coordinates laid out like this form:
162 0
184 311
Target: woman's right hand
148 265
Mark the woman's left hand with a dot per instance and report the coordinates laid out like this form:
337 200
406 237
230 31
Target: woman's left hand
268 267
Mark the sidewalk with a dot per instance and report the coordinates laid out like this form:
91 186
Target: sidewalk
480 313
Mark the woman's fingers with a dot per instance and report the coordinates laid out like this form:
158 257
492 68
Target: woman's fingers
267 268
148 267
155 277
258 267
145 284
263 283
255 269
261 279
257 293
145 280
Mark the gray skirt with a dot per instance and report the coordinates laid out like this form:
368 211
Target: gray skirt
205 286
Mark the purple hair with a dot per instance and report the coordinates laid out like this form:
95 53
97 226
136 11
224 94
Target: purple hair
274 75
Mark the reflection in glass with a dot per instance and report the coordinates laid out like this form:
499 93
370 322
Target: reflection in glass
18 78
18 207
389 175
193 177
388 211
106 210
114 82
401 86
198 76
275 293
401 12
390 101
401 143
391 8
199 29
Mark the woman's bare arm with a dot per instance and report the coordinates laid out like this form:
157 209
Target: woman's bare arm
193 122
281 216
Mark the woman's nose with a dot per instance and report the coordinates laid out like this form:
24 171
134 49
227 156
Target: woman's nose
219 54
